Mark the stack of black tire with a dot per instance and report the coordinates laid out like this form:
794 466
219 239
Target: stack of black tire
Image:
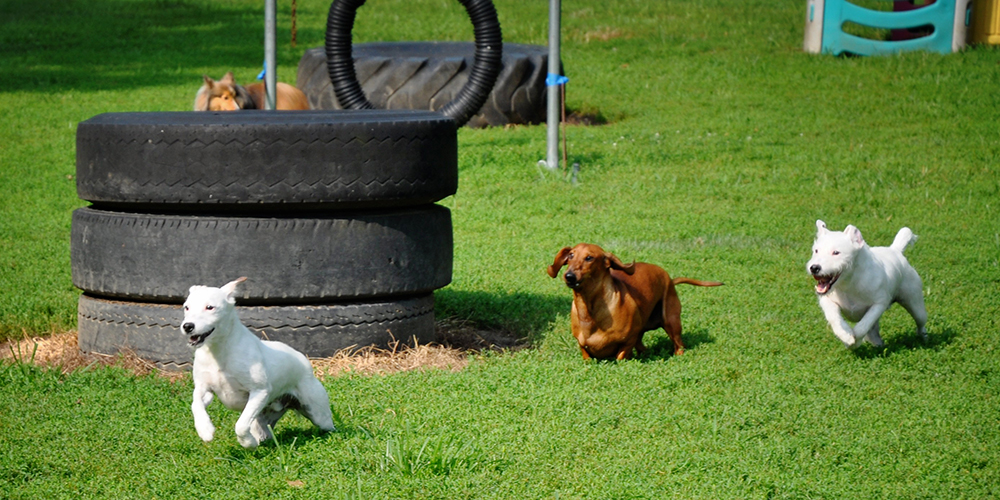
331 216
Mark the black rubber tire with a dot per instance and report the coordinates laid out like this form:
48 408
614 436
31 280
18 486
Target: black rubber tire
265 162
153 332
157 258
428 75
482 76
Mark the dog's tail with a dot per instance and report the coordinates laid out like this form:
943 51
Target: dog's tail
904 238
689 281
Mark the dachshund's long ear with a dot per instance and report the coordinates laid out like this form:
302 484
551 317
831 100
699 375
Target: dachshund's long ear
562 258
615 263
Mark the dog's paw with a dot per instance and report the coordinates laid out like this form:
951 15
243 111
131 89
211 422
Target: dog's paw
876 341
248 441
206 433
851 343
846 336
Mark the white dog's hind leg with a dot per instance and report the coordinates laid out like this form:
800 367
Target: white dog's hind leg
260 429
915 306
841 329
921 318
202 422
314 404
911 297
263 426
255 403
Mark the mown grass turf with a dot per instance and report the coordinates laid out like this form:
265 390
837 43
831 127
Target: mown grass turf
725 144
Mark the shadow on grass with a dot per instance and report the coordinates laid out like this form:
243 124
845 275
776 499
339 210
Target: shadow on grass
911 342
524 315
660 347
527 316
52 45
285 439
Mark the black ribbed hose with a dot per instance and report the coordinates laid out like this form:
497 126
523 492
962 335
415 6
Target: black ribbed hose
482 77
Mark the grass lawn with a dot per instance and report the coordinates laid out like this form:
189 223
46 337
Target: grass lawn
725 143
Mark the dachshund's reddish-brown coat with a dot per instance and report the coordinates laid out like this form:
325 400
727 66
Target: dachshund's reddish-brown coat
615 304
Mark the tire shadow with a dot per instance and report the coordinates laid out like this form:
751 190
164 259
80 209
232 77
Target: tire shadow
519 316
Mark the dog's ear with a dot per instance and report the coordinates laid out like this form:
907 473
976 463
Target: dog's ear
243 98
616 263
562 258
202 97
855 235
821 227
228 79
230 288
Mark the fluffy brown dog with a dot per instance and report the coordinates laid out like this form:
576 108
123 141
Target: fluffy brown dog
615 304
227 95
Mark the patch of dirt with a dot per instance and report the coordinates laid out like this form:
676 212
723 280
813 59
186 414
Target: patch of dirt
457 341
605 34
585 118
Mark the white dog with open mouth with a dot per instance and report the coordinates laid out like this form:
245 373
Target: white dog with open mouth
262 379
860 282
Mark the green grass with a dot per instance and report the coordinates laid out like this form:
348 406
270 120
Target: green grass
725 143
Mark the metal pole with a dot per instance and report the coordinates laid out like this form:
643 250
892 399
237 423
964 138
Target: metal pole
270 69
552 120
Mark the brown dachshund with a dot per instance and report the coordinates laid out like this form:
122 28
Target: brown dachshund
615 304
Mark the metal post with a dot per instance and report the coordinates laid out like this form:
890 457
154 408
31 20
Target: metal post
270 69
554 100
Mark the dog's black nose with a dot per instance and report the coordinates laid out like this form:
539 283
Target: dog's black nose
815 268
188 327
570 278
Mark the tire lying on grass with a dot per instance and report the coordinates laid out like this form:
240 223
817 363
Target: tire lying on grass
428 75
152 331
481 77
265 162
305 260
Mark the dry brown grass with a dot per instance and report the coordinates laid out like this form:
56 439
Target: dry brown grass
61 351
603 34
457 341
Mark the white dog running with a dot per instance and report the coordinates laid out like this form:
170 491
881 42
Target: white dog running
860 282
262 379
